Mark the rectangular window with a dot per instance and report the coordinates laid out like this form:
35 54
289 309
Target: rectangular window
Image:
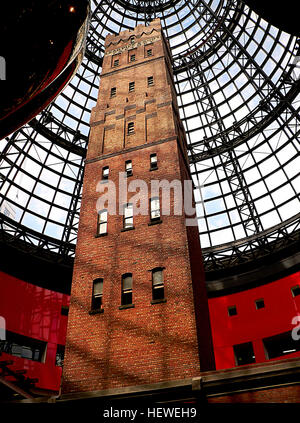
128 216
105 172
132 58
232 311
280 345
150 81
24 347
153 161
295 290
113 92
116 61
97 294
60 355
64 310
259 304
128 167
155 208
158 291
130 128
149 52
131 87
244 354
126 297
102 222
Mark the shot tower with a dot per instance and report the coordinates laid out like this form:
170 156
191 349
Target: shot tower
138 312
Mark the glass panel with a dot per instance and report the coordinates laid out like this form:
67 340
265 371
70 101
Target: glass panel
155 208
127 283
279 345
157 277
128 211
27 353
105 172
103 216
16 350
244 353
103 228
98 287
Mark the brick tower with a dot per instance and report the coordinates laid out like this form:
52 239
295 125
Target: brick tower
138 312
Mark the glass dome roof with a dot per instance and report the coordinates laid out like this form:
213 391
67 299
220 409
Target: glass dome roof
238 87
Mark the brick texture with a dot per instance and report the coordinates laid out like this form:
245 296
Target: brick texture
283 394
150 342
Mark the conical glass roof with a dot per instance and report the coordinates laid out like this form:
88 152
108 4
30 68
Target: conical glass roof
237 82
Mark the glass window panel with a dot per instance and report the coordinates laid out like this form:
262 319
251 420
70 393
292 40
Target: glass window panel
128 210
98 287
127 282
157 277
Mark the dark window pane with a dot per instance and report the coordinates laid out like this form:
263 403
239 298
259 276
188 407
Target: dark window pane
60 355
97 294
296 290
244 353
97 303
158 293
259 304
64 310
232 311
126 298
280 345
150 81
23 346
130 129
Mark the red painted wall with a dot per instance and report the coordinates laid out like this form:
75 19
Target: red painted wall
36 313
251 324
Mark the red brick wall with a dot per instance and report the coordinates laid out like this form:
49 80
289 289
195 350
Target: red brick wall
150 342
284 394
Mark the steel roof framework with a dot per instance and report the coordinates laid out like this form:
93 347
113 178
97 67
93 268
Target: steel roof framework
238 92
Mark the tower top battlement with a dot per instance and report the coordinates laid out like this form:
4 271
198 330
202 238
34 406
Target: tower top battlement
112 40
